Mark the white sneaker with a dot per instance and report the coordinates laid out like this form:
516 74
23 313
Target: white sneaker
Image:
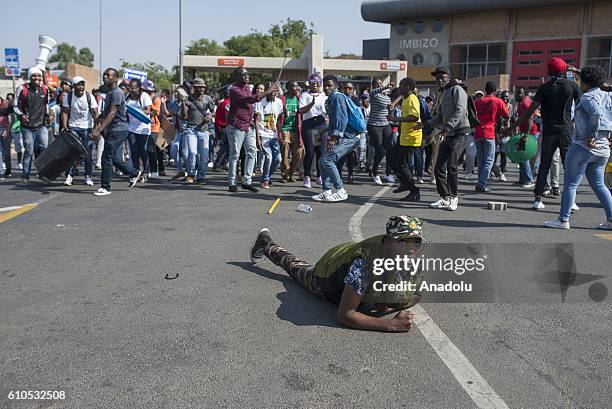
307 182
454 203
102 192
390 179
468 176
339 196
154 175
557 224
134 180
89 181
605 226
98 166
210 165
20 166
377 180
575 207
322 196
68 181
440 204
538 205
502 177
528 185
432 181
420 181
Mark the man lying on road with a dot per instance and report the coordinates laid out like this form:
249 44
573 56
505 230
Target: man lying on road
345 274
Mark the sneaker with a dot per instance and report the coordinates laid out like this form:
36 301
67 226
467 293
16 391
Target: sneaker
454 203
135 179
153 175
440 204
319 181
189 180
377 180
102 192
605 226
307 182
556 191
401 189
432 181
265 185
68 181
547 193
233 189
538 205
322 196
144 179
89 181
179 175
98 167
575 207
390 179
412 197
339 196
250 188
258 247
528 185
420 181
1 177
25 181
557 224
210 165
482 189
20 166
468 176
200 181
502 177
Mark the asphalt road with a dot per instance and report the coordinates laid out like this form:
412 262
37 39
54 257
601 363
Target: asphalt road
85 306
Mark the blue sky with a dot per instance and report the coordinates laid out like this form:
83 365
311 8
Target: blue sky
152 32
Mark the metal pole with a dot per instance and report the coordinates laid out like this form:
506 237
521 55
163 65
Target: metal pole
181 41
100 56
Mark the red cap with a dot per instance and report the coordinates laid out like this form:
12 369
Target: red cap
557 66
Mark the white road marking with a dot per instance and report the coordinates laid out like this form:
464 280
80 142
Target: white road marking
464 372
8 209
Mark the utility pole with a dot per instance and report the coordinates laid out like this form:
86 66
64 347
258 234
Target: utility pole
181 41
100 56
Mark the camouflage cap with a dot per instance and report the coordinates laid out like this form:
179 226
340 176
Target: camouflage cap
401 227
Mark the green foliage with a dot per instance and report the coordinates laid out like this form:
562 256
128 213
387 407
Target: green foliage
67 54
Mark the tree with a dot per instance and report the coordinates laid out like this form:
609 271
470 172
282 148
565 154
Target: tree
67 54
204 46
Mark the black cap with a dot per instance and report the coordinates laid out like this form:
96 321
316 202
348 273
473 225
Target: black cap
444 70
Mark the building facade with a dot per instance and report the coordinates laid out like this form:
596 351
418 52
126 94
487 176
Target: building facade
490 37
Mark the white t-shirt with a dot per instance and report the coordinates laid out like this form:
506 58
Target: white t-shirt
318 109
80 116
134 125
268 111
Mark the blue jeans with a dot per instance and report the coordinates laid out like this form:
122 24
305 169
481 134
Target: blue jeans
175 149
578 162
485 155
237 139
31 137
525 173
197 151
138 150
112 141
416 162
271 151
84 135
329 159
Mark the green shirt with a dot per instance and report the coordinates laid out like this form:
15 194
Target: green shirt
290 119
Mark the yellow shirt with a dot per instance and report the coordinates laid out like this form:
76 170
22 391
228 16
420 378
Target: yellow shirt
408 137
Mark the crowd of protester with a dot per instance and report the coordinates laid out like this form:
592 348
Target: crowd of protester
308 131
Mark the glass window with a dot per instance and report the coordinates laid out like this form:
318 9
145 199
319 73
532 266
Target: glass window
496 68
435 59
437 25
497 52
458 54
477 53
475 70
401 29
419 27
599 48
417 59
569 51
556 52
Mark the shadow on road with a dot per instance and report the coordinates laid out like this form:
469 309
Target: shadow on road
297 306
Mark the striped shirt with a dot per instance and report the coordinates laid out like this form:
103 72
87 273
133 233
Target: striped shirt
379 103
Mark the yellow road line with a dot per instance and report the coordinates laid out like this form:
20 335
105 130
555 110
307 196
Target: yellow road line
19 210
604 236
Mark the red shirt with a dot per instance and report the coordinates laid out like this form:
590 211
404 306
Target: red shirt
489 109
220 121
241 106
524 106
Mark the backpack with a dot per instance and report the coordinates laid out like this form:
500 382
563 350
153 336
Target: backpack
472 113
24 91
70 101
425 111
356 119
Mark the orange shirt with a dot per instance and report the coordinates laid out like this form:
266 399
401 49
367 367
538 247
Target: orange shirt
155 124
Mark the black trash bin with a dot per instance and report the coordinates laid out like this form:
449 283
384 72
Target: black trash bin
60 155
